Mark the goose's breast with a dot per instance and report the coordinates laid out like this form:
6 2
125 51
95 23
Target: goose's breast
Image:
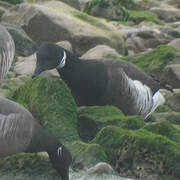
15 133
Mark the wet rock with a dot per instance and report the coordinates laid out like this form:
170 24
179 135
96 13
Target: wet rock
174 102
66 45
101 52
101 168
172 75
66 23
24 45
167 14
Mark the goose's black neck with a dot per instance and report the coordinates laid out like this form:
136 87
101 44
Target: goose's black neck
43 140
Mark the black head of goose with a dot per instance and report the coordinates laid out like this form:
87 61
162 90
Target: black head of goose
19 132
102 82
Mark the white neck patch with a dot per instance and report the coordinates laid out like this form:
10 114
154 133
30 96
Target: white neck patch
62 62
59 151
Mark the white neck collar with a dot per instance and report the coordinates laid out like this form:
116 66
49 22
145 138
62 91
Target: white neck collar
62 62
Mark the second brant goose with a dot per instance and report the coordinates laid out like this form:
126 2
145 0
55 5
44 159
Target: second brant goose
102 82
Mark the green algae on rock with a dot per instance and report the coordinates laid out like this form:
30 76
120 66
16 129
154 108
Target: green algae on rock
87 154
51 103
165 128
27 166
92 119
154 61
132 149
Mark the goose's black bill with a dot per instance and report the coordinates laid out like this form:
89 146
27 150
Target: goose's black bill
37 71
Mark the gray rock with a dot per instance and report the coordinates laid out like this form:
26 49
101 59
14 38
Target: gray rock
167 14
172 75
55 21
66 45
25 66
101 52
101 168
175 43
174 102
24 45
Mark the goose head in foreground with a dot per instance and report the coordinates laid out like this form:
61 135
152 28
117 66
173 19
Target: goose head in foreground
102 82
19 132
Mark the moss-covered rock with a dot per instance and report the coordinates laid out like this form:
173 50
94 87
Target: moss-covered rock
51 103
139 16
27 166
154 61
140 151
92 119
86 155
173 117
165 128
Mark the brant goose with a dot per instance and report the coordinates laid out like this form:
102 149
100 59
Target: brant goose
19 132
102 82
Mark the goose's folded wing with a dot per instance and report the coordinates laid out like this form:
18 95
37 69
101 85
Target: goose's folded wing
135 98
15 133
7 51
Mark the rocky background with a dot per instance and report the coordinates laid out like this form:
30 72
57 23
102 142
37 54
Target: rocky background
101 139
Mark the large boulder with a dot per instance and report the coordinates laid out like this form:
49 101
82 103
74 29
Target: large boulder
51 103
24 45
174 102
166 13
140 153
55 21
101 52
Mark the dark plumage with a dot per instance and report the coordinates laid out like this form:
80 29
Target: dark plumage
102 82
19 132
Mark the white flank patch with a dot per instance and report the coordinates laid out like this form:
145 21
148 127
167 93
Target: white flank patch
144 103
62 62
59 151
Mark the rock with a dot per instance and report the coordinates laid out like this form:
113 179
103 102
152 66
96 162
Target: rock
174 102
5 4
92 119
140 153
25 66
168 14
101 168
101 52
66 45
2 11
143 39
172 75
175 3
66 23
18 167
165 128
175 43
24 45
86 155
51 103
153 62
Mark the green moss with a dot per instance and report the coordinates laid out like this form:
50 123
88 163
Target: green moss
155 60
173 117
27 166
165 128
140 145
13 1
51 103
129 4
87 154
139 16
94 21
92 119
163 108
